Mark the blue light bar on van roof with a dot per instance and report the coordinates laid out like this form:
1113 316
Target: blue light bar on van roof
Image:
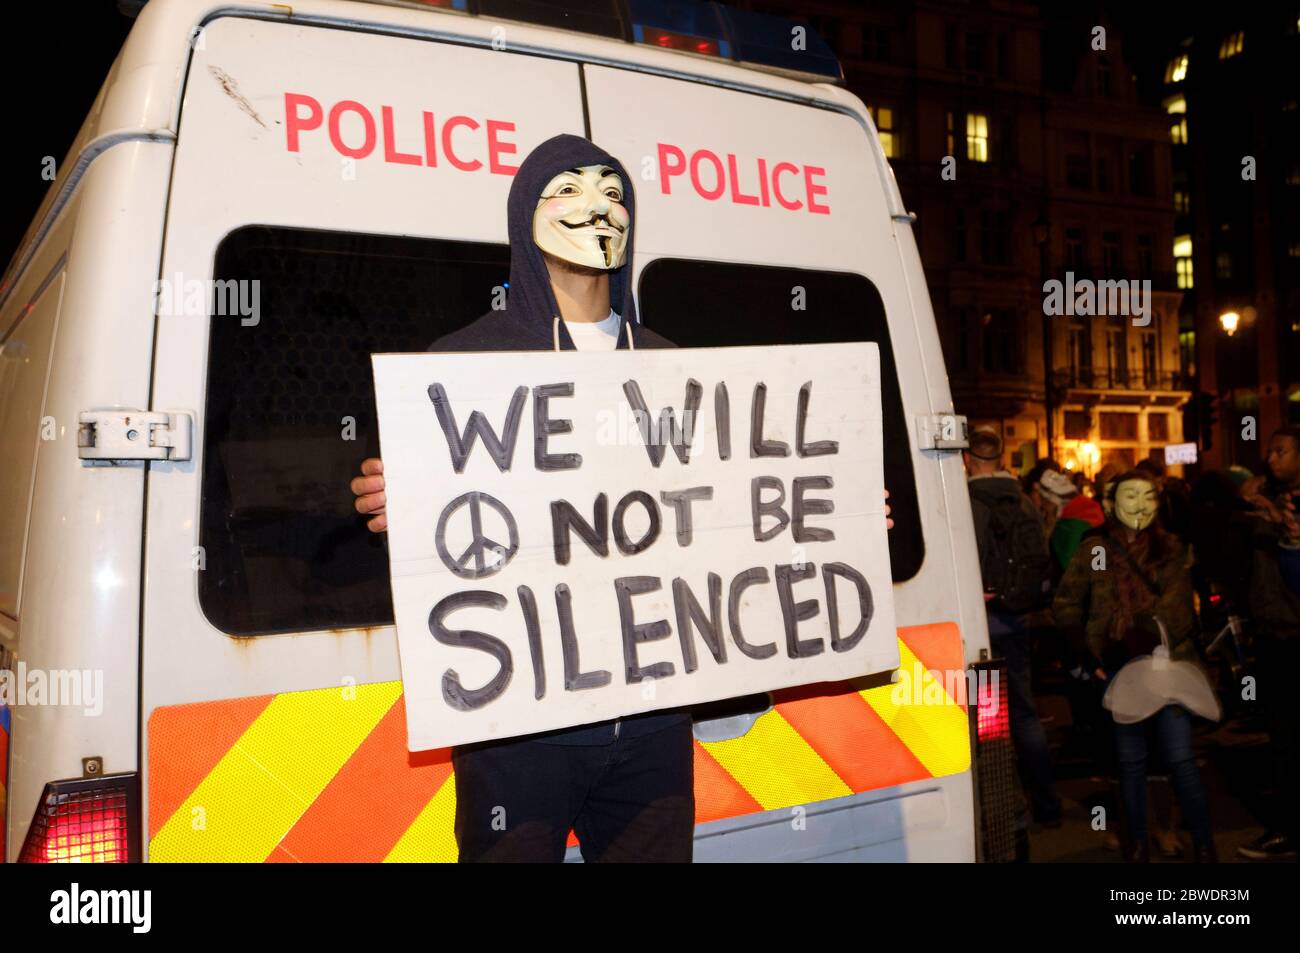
774 41
680 25
693 26
713 29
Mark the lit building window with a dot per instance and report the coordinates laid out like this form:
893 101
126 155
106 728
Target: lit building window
977 137
950 137
1232 45
1178 131
1183 261
1182 202
883 117
1176 104
1176 71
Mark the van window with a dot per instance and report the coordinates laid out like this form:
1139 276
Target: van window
715 304
284 549
290 399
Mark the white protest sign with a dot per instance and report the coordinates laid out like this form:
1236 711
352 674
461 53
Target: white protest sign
559 558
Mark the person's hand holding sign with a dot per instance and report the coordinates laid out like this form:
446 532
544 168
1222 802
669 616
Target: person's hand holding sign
369 490
370 498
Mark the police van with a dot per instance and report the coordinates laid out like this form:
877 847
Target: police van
198 650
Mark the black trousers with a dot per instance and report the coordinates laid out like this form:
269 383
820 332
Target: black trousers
632 800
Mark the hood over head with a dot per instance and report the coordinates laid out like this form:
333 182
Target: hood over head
530 299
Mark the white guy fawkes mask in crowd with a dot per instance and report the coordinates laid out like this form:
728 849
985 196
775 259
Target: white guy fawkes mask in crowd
580 217
1136 502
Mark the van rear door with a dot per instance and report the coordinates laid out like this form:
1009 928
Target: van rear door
347 191
763 221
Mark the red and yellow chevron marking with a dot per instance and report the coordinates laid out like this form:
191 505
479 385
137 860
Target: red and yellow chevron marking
324 775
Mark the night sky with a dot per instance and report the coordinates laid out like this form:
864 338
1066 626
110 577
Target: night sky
45 106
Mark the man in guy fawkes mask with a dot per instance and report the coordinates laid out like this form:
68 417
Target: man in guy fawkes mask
1127 590
625 786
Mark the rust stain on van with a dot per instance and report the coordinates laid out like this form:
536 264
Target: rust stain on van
367 633
231 89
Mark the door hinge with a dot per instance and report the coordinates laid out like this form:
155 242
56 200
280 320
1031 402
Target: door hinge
124 434
941 432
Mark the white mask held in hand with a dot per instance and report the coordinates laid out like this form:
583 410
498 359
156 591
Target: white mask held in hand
580 217
1136 502
1150 682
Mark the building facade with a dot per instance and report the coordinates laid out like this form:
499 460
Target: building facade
1026 154
1230 89
1119 382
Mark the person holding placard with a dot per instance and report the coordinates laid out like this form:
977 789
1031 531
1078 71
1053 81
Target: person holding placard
625 785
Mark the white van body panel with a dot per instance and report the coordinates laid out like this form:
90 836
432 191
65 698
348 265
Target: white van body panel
80 595
222 101
948 509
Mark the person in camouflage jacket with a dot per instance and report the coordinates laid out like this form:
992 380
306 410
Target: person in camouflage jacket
1087 602
1124 576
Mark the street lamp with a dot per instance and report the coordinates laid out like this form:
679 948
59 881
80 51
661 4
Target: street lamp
1091 456
1229 321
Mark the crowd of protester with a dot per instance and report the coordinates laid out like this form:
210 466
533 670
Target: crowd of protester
1162 599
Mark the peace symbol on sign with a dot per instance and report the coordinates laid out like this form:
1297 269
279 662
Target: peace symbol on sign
484 556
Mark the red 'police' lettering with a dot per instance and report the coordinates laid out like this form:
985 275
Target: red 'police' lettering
463 142
745 182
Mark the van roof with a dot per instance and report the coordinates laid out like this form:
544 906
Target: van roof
141 97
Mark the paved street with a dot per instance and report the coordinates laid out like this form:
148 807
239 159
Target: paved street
1234 762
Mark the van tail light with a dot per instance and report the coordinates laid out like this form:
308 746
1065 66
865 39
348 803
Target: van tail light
992 719
995 763
86 821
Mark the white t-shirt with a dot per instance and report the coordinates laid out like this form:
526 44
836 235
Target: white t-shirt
595 336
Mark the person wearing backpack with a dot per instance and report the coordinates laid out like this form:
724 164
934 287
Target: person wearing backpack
1016 569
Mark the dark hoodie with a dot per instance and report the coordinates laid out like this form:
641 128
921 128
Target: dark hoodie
527 322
